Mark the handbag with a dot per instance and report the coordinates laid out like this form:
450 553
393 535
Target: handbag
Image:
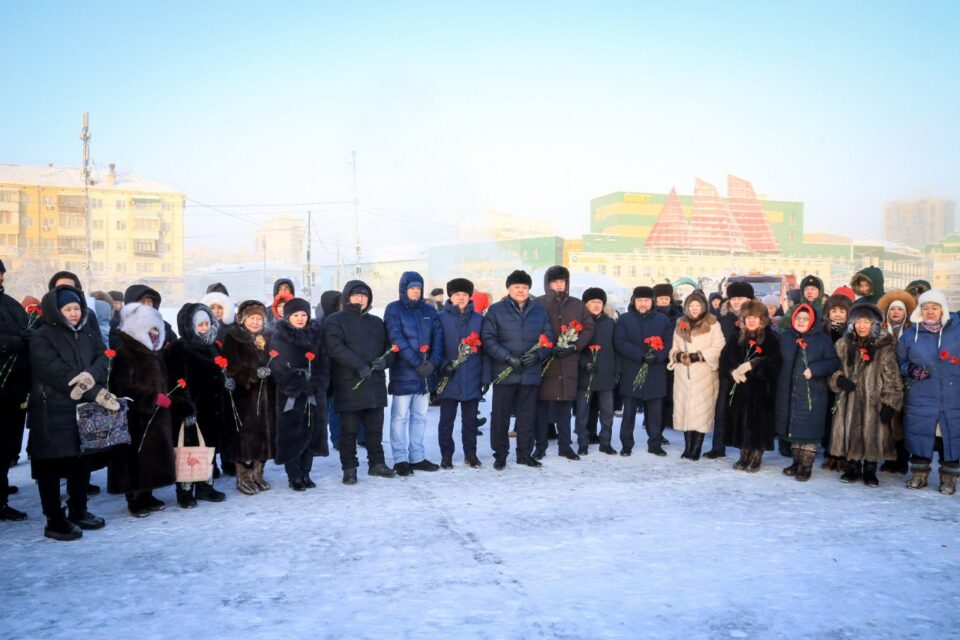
100 428
194 464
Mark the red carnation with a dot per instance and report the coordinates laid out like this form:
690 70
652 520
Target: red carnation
310 355
274 353
221 362
944 355
424 348
594 347
110 353
182 383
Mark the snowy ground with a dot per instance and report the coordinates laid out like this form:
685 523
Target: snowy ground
607 547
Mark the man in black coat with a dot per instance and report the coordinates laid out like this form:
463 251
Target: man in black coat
599 369
14 386
356 342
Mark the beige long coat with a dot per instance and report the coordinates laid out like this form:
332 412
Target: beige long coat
695 387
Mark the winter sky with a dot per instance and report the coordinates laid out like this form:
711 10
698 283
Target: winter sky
531 108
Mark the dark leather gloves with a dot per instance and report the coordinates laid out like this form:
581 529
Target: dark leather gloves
514 362
846 384
590 367
379 365
425 369
563 352
695 357
448 369
365 373
886 414
528 359
650 356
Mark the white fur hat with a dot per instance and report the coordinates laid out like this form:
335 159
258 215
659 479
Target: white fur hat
216 297
936 296
137 320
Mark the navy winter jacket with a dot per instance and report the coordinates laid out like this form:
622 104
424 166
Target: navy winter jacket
509 330
795 418
631 330
465 382
410 325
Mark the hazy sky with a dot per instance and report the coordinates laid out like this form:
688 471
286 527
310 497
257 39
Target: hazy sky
530 109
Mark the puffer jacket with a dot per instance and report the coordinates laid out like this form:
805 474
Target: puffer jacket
509 330
411 324
632 329
466 380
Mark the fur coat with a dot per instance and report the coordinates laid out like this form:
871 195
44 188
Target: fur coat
252 438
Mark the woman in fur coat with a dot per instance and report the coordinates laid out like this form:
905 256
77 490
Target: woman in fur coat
751 361
694 359
248 442
835 311
870 392
139 373
301 372
191 357
897 307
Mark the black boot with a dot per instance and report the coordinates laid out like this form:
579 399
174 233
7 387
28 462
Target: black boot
756 458
902 464
403 469
185 498
696 445
350 476
472 460
10 514
296 484
206 492
59 528
308 481
607 449
792 469
870 474
86 520
381 470
583 450
425 465
446 462
852 472
687 444
743 461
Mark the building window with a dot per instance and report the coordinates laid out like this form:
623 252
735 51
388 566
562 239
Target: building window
144 267
46 243
121 267
145 246
8 196
121 245
71 204
602 269
6 217
121 204
632 271
98 225
99 245
616 270
166 267
121 225
48 203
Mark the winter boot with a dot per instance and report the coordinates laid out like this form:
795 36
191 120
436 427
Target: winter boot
205 491
919 474
688 443
152 503
258 480
136 505
446 462
10 514
185 498
792 469
902 464
350 476
381 470
403 469
296 484
59 528
870 474
948 478
740 464
425 465
472 460
607 449
806 459
851 472
696 445
756 458
583 450
86 520
245 480
308 481
829 463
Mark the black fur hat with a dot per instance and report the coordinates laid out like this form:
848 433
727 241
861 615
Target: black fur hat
663 289
644 292
740 290
594 293
296 304
459 285
519 277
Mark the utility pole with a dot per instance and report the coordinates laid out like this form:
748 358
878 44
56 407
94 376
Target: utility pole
88 215
308 275
356 217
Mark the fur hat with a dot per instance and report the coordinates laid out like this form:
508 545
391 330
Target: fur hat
836 300
594 293
754 308
215 297
644 292
772 300
811 281
663 289
293 305
865 310
457 285
519 277
897 296
696 296
740 290
436 291
59 275
138 320
217 287
934 295
918 287
250 308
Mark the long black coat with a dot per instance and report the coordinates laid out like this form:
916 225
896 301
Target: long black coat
560 378
798 419
140 374
354 338
58 353
749 418
608 362
298 431
14 357
190 357
254 439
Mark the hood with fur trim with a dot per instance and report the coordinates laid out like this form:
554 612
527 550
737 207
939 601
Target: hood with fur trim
188 330
144 324
909 304
215 297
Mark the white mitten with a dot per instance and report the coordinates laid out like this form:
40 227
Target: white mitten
107 400
82 383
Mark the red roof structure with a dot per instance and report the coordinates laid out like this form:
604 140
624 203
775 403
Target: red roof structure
712 227
671 229
748 214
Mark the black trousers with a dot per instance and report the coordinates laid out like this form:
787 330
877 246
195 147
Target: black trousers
504 398
47 473
719 433
559 413
653 417
11 440
371 420
600 402
468 426
300 468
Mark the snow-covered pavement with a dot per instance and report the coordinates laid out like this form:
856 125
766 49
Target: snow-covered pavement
639 547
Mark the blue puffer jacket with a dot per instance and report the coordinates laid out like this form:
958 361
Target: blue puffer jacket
795 419
411 324
465 382
935 400
508 330
631 330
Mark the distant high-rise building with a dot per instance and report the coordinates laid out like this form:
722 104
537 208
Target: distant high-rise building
917 223
282 239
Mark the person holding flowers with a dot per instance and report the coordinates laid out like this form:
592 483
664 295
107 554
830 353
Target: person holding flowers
929 357
301 373
643 339
516 338
572 324
359 351
412 325
809 359
461 373
694 361
248 441
751 362
599 368
139 373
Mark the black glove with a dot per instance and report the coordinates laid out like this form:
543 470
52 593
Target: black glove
263 372
846 384
886 414
590 367
365 373
563 352
514 362
27 333
528 359
378 365
650 356
425 369
678 357
229 384
448 370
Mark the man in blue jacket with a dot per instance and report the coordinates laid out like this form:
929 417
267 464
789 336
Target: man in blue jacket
412 325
